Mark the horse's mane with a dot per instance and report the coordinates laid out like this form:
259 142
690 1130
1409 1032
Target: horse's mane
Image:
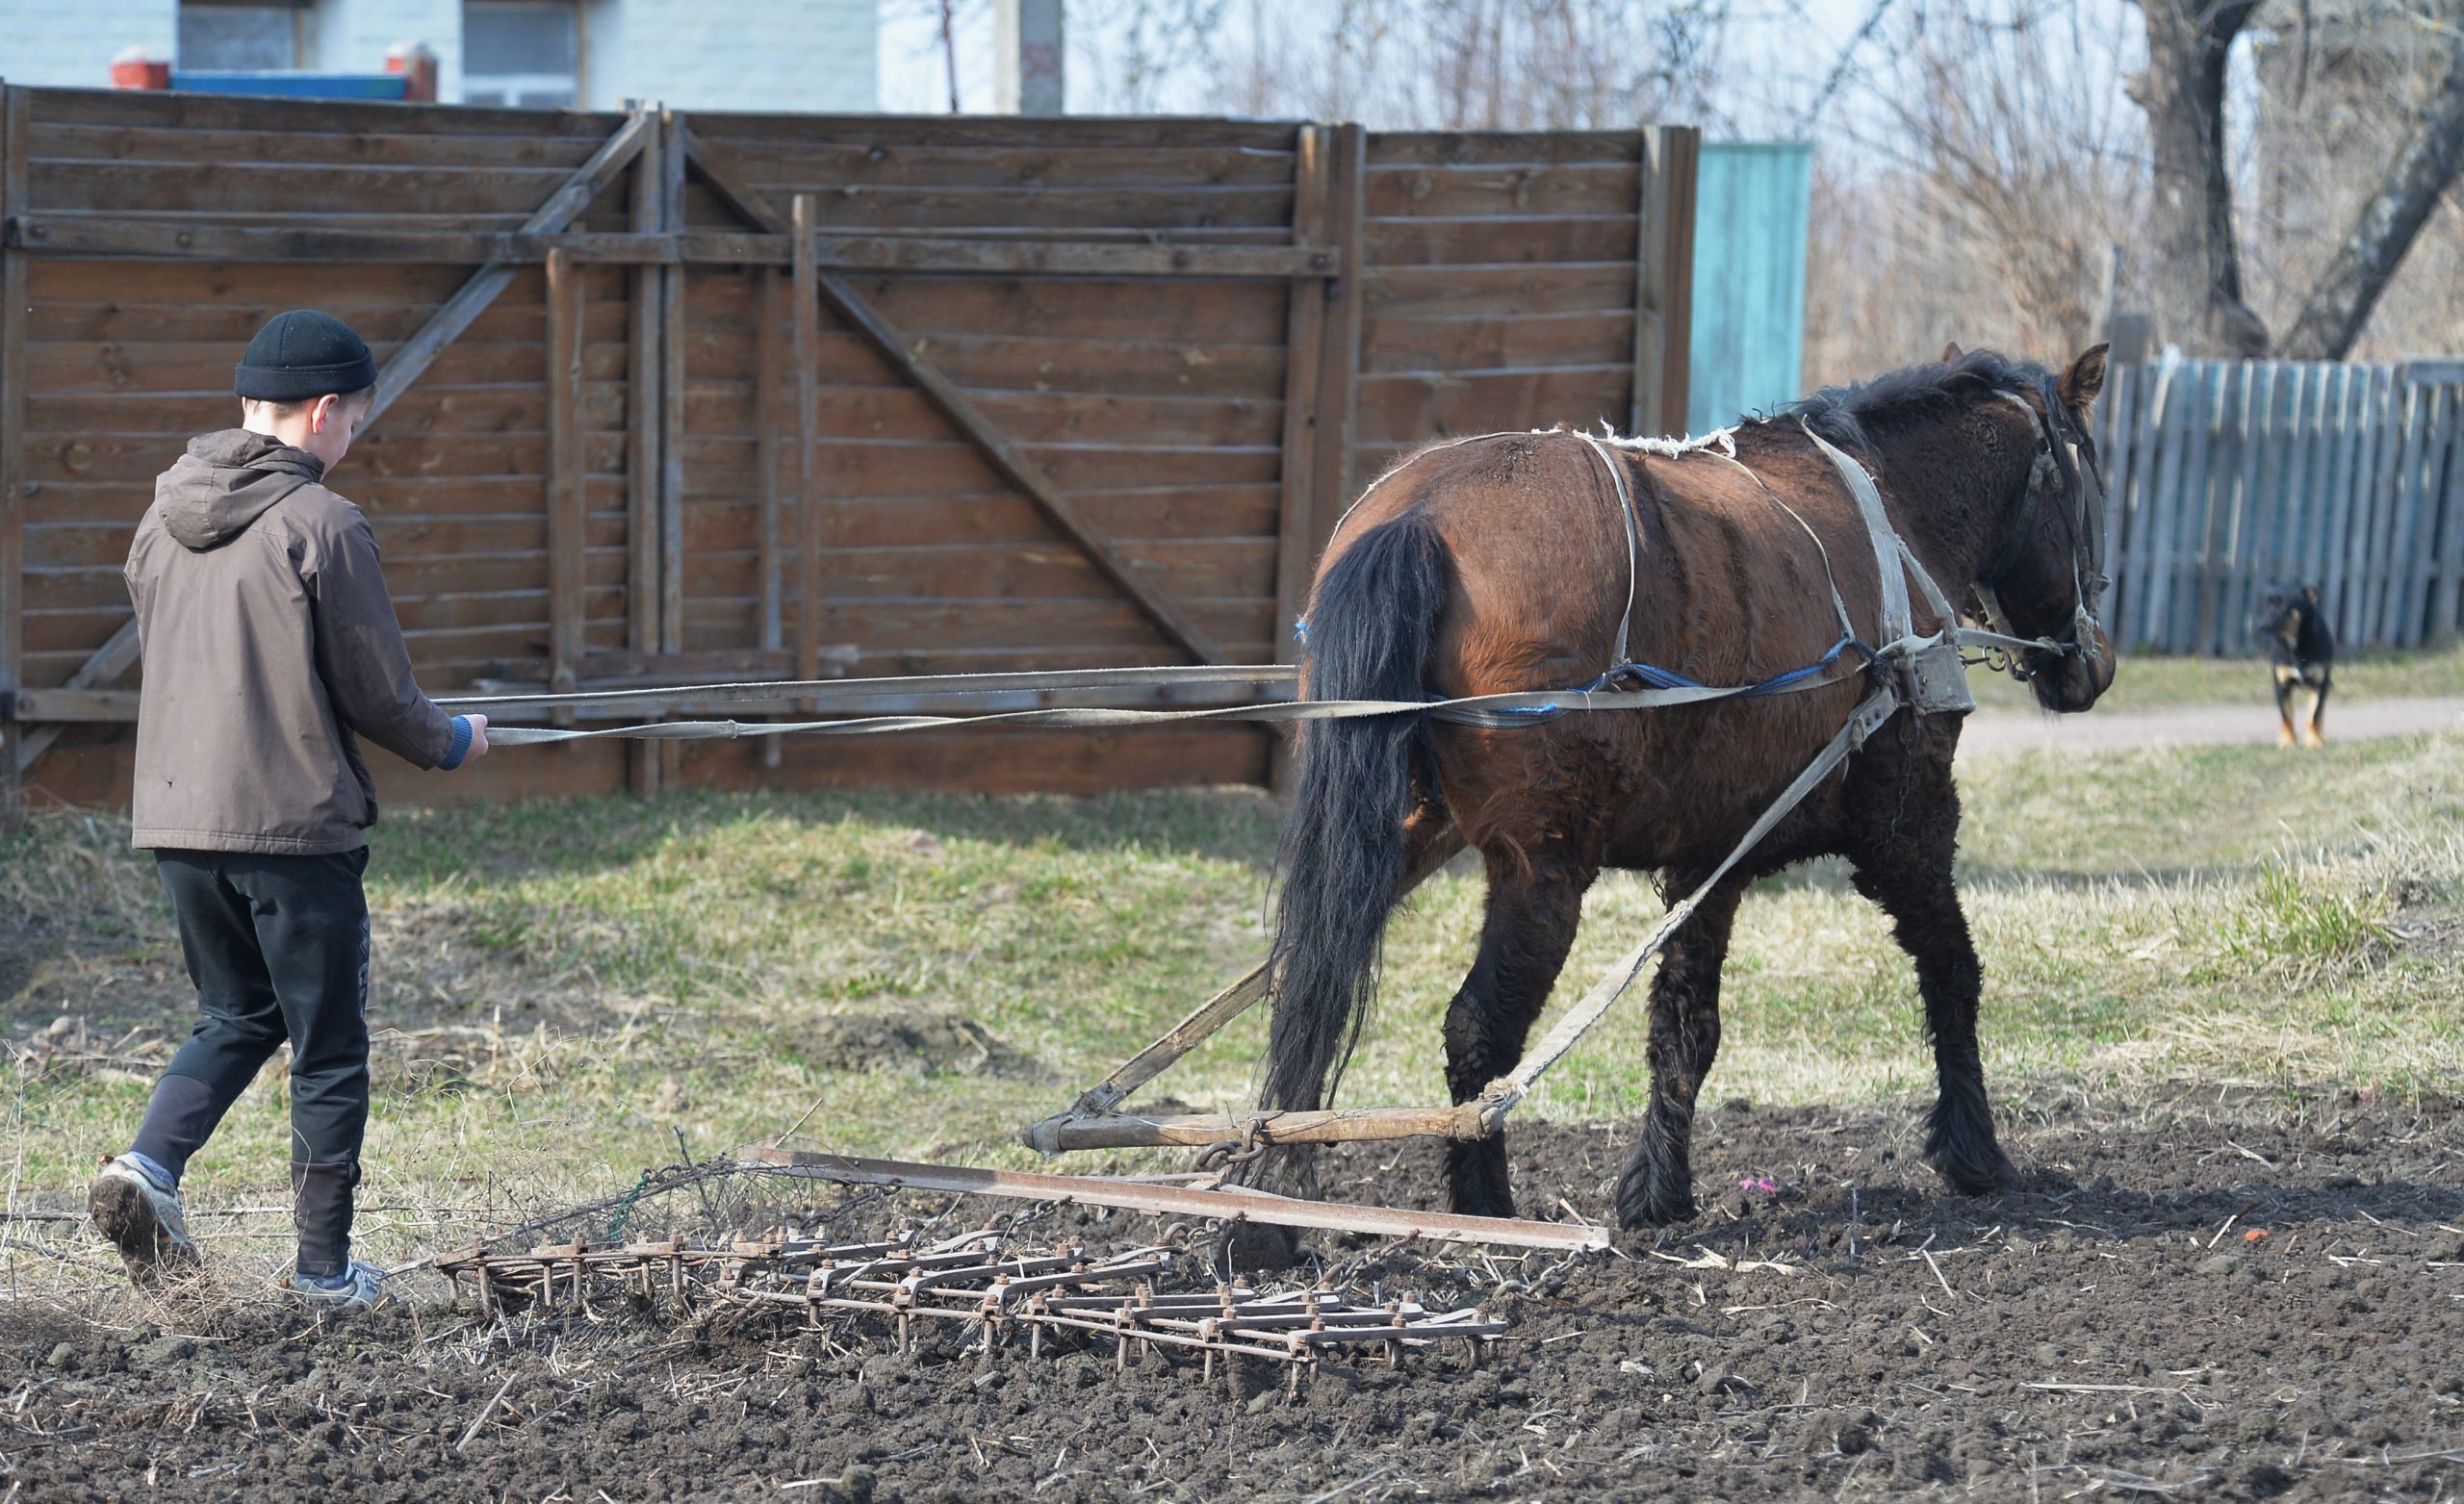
1861 412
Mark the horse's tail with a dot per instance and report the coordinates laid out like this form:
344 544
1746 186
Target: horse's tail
1371 621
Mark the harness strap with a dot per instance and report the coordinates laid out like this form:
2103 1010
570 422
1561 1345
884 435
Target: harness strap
1889 551
1619 653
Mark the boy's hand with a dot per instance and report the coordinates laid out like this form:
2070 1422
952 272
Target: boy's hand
478 740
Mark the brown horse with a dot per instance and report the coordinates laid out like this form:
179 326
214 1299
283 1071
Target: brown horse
1502 563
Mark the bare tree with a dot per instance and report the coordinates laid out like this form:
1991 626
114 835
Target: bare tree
1467 64
2197 268
2347 292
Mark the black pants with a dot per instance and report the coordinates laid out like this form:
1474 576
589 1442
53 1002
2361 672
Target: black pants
277 948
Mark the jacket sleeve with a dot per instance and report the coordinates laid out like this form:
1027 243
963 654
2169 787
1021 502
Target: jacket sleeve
360 652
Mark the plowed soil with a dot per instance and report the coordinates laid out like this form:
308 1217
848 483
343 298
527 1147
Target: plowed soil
2215 1295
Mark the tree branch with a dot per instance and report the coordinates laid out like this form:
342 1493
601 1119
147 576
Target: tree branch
2341 302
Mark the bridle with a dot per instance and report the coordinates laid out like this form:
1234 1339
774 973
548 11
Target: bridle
2064 468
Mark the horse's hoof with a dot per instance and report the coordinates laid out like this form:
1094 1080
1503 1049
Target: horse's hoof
1640 1204
1977 1172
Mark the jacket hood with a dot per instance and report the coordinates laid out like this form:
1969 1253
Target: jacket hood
225 482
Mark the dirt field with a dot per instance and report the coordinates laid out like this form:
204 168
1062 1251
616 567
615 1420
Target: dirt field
2219 1295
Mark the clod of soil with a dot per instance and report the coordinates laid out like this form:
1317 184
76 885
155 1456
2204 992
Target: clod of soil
937 1041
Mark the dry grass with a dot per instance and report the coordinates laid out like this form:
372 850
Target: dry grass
575 987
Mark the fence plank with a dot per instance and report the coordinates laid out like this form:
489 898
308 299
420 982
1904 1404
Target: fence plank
2327 417
1339 351
2172 434
2223 485
16 131
2156 391
2233 610
2396 622
2121 428
1312 218
2437 524
2447 613
565 475
2349 559
805 341
2277 475
2385 491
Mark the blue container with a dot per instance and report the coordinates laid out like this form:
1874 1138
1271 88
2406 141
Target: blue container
293 86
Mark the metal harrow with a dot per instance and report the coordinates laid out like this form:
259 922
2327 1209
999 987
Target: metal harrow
970 1282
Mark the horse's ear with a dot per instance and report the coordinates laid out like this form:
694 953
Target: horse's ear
2085 378
1950 353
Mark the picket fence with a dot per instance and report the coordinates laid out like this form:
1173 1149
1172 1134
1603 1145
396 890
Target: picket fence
2227 477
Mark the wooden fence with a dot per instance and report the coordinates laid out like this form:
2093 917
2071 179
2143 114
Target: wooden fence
2230 476
669 400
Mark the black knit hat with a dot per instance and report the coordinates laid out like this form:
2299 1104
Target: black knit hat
304 354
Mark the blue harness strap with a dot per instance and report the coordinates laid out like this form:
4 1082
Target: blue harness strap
1652 676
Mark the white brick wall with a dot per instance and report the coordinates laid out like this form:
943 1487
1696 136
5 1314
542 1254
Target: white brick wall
817 56
56 45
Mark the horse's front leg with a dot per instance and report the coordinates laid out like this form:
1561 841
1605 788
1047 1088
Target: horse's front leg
1658 1187
1914 887
1533 909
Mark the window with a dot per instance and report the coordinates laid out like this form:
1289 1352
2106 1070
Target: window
520 52
239 39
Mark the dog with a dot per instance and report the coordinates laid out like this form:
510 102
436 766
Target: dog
2304 650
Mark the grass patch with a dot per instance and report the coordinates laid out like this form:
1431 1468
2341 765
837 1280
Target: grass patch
2166 684
572 987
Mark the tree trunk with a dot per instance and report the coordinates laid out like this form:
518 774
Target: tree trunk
2338 307
2197 261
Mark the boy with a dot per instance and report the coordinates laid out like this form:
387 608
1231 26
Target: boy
269 645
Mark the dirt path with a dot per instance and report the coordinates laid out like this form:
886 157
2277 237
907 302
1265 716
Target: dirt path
2218 1295
2198 726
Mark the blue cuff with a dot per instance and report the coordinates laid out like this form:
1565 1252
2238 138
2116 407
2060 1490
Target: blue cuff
461 747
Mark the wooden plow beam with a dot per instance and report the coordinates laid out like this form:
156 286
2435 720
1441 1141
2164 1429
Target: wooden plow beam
1196 1197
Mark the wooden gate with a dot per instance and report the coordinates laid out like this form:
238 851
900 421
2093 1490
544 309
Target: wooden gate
669 400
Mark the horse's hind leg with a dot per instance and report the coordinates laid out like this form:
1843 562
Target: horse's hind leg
1912 882
1658 1187
1533 909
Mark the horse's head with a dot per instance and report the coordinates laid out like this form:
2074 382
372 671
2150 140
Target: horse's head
2044 574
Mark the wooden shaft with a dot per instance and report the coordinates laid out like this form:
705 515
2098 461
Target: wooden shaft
1224 1205
1204 1130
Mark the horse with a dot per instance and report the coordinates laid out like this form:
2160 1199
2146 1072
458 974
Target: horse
1508 562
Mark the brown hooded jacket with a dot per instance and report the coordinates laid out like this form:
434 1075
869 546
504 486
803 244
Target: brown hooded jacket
270 644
